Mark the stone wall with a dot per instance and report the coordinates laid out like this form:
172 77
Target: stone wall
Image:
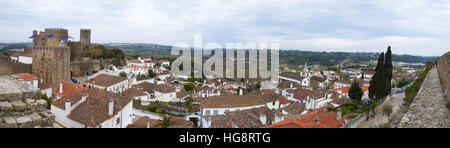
21 106
9 67
443 65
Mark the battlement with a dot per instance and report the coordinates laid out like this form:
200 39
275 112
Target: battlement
50 37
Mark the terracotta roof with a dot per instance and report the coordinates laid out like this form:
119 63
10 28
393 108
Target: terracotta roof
369 72
68 88
106 80
135 61
300 93
283 100
268 91
150 87
236 101
143 122
325 120
295 109
134 92
346 89
291 75
315 78
250 118
316 119
344 81
219 121
286 123
27 76
94 110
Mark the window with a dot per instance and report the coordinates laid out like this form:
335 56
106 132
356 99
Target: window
216 112
118 120
273 103
207 112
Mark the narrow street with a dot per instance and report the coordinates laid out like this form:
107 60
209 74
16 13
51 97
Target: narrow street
396 102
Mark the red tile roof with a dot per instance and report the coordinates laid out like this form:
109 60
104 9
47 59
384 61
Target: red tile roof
283 100
27 76
68 88
346 89
316 119
94 110
268 91
106 80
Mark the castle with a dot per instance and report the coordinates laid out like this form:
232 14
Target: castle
51 54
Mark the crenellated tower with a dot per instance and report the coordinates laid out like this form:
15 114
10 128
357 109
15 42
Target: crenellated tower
51 55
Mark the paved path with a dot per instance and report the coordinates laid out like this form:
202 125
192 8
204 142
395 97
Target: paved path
428 108
396 102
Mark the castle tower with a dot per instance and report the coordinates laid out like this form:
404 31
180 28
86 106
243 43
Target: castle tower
85 36
51 56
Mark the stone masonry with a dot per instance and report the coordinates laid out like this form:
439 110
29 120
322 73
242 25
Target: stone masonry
443 65
428 108
20 106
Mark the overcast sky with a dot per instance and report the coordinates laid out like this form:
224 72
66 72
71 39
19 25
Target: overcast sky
417 27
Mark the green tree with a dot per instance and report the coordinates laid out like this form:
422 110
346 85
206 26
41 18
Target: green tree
123 74
189 86
387 110
355 93
151 74
388 71
165 122
116 62
377 86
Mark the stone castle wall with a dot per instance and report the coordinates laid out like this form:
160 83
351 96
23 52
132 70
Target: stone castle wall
443 65
21 106
9 67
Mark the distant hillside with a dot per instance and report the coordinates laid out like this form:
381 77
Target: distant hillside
294 57
141 48
8 46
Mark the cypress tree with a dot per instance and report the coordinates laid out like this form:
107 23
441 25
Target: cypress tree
377 86
355 93
388 71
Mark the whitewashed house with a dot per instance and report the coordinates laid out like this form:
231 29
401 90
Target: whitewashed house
149 92
294 77
218 105
108 82
93 108
28 78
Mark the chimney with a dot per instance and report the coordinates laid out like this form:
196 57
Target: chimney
60 88
338 116
241 92
68 107
317 119
111 107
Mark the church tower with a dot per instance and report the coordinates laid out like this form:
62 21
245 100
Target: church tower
51 56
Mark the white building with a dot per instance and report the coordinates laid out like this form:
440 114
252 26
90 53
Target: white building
149 92
93 108
108 82
218 105
296 78
28 78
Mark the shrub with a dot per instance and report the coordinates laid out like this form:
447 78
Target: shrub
49 100
123 74
189 86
